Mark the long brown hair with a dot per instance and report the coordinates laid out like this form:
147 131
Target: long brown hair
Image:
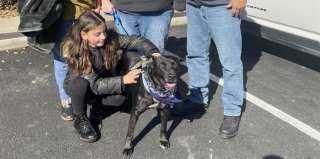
76 49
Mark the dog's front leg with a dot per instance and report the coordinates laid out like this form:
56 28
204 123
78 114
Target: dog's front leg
128 147
164 142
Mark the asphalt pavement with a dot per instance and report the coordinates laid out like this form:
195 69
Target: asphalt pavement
288 80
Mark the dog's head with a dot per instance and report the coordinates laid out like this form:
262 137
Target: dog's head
165 71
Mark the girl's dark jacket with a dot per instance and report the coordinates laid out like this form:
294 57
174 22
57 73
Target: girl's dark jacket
101 80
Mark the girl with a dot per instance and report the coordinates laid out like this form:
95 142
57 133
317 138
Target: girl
91 52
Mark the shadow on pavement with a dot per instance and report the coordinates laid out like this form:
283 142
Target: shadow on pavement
105 111
253 46
156 121
272 157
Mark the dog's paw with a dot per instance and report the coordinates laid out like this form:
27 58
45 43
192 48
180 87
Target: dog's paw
127 151
164 144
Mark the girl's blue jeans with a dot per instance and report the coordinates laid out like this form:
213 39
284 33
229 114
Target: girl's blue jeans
60 69
216 23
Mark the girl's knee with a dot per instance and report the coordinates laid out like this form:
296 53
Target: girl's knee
79 84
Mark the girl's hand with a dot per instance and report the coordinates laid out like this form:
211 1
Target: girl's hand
131 76
156 54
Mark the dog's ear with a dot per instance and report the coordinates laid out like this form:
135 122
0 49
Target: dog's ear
149 57
181 60
178 59
150 60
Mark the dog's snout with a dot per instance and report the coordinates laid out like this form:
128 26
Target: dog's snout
172 76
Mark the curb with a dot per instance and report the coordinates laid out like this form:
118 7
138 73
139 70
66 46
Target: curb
13 43
15 40
179 19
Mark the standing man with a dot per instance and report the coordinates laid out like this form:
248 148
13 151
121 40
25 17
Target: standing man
148 18
217 20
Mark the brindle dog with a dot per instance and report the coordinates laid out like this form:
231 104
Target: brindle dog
163 73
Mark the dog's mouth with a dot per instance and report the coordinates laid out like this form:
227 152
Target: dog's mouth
168 85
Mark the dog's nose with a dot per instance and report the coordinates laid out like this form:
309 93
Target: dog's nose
172 76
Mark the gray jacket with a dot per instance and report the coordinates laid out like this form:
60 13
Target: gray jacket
148 5
208 2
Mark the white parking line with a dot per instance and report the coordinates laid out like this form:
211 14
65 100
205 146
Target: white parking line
276 112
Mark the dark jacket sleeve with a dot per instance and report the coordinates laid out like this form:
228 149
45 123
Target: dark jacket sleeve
179 4
134 42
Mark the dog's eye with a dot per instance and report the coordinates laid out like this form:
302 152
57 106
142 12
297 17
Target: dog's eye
161 65
174 65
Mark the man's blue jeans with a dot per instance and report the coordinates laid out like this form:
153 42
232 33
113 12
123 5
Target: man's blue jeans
217 23
152 25
60 68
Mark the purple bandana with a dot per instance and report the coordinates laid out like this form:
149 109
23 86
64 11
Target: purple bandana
169 96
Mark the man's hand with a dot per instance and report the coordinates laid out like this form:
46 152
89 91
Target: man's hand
107 7
237 7
131 76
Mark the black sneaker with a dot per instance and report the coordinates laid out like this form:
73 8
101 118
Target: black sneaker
66 110
229 127
188 107
83 127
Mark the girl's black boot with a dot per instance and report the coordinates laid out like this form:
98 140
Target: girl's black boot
83 127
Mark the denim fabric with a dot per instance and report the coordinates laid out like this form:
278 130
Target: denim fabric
217 23
152 25
60 69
